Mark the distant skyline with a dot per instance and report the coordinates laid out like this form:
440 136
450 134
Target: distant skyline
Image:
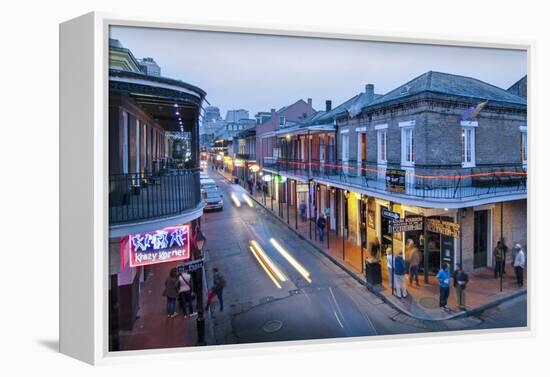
259 72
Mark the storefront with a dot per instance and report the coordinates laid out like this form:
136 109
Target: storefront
130 256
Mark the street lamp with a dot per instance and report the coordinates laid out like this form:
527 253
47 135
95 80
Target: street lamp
198 244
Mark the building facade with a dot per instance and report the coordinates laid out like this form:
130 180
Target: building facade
154 203
446 150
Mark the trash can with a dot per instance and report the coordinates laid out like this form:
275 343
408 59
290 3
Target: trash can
373 273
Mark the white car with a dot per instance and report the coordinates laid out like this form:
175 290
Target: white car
208 183
213 199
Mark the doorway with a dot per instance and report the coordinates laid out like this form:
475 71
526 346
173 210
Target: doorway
481 237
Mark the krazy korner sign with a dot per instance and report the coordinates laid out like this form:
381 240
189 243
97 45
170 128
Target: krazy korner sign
165 245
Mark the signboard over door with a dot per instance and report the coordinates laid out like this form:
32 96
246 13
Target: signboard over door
407 224
165 245
446 228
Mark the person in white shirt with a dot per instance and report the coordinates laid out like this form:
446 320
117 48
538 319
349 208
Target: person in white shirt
519 265
185 296
389 255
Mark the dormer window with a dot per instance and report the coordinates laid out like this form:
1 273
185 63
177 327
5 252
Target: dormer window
468 138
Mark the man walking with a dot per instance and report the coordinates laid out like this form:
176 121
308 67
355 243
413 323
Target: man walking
414 262
443 277
321 226
399 273
217 289
389 255
519 265
460 280
185 295
303 208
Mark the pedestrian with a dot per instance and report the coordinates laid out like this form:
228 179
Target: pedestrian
321 226
399 273
171 289
303 208
217 289
459 282
389 255
415 258
250 185
186 293
519 265
499 258
443 277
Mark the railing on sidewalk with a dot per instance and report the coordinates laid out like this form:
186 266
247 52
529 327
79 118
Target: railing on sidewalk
139 196
421 181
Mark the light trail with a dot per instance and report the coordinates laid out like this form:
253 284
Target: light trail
235 199
265 267
291 260
248 200
269 263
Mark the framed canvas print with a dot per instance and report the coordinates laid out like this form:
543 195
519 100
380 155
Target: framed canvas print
239 187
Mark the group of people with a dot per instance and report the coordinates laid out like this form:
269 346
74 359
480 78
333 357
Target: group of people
179 286
517 261
397 269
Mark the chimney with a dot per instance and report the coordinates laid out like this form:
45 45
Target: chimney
369 91
273 112
310 102
328 105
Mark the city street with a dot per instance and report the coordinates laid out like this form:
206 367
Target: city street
333 305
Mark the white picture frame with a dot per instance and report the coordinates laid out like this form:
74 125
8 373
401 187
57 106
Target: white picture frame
84 171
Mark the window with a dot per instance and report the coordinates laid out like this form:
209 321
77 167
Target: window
407 143
382 146
468 140
282 121
125 149
345 147
523 144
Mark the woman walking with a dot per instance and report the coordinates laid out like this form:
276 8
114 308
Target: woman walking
171 290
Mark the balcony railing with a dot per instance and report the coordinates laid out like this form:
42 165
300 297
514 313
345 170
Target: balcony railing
245 156
138 197
420 181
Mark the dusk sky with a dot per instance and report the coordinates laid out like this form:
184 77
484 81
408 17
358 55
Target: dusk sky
257 73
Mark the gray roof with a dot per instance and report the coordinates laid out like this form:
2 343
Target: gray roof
453 85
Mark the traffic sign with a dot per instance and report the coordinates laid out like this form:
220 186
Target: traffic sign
390 215
191 266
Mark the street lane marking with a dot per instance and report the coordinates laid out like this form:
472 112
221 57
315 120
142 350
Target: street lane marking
338 319
335 302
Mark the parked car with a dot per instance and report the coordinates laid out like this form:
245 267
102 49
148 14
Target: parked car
208 183
213 199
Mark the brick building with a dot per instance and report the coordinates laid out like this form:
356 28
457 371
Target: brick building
447 148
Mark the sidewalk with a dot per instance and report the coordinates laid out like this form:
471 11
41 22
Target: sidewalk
153 329
483 290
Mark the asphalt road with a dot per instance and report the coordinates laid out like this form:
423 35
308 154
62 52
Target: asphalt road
333 305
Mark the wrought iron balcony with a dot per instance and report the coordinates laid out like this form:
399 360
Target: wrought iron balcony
421 181
138 197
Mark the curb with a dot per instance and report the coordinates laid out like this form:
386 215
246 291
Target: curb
373 290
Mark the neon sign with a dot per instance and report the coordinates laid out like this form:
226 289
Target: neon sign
165 245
